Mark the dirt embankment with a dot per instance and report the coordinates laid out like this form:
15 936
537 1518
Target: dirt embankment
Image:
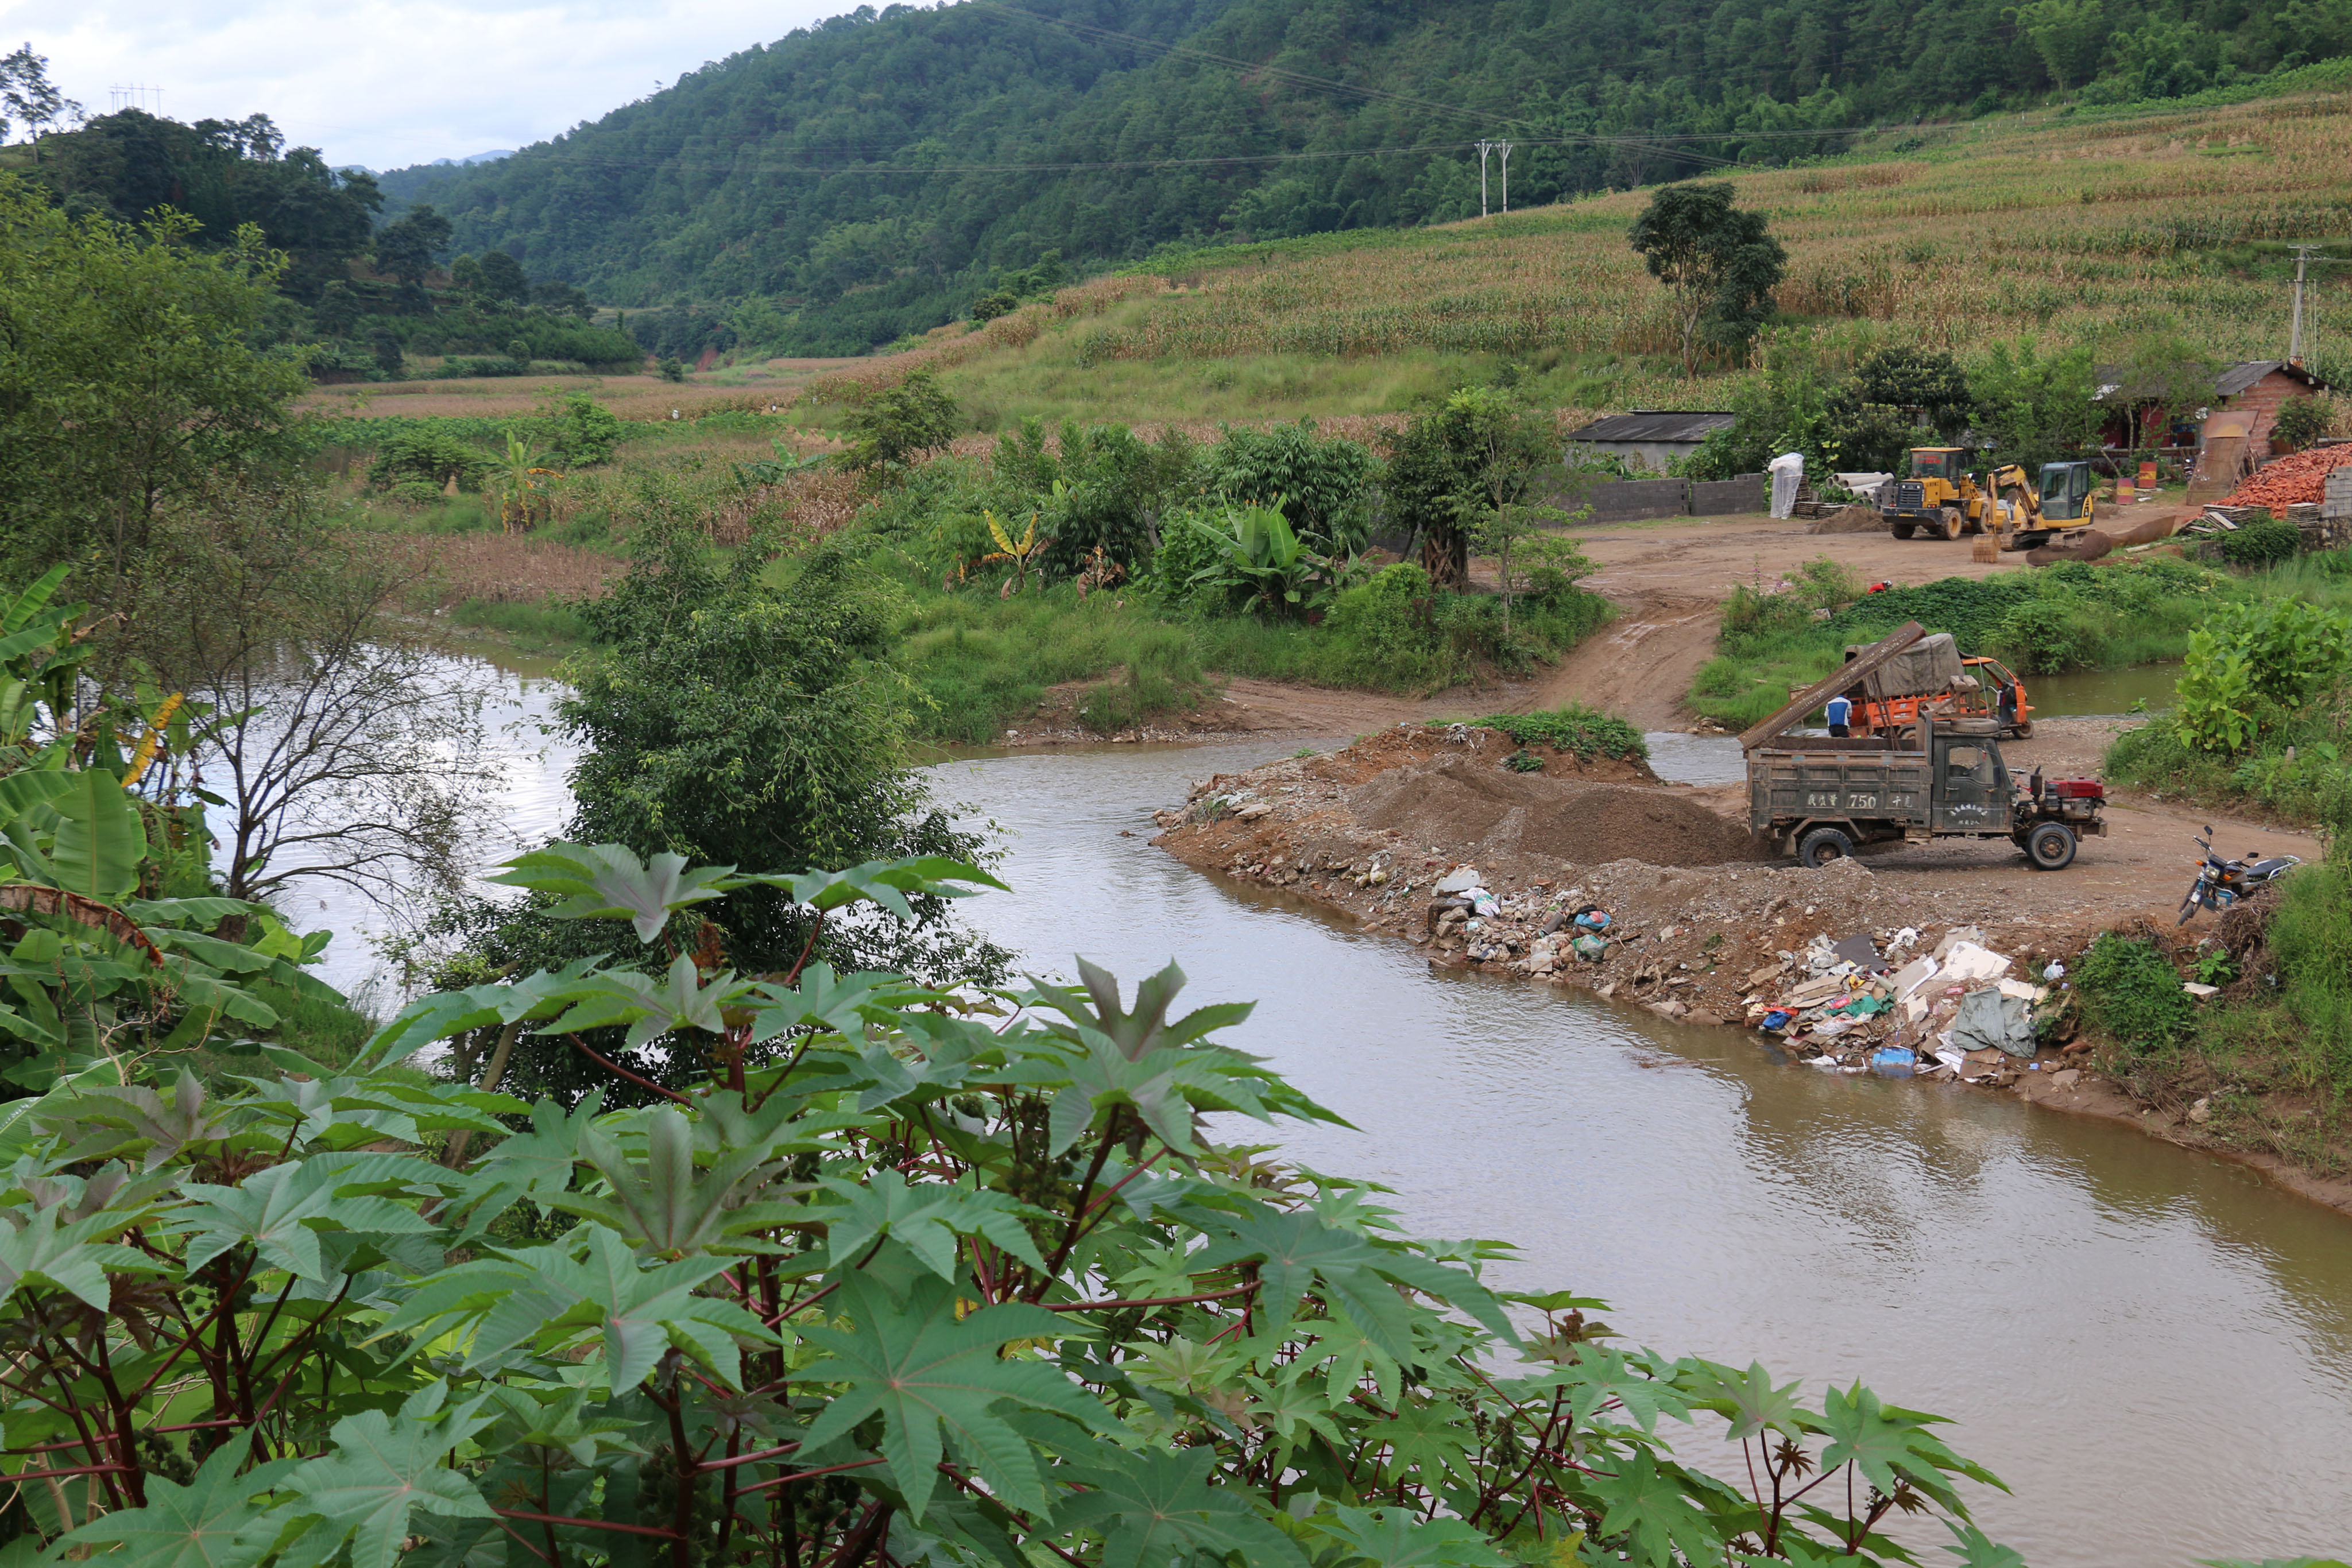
1701 928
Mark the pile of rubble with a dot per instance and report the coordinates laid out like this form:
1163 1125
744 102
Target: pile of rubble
1473 874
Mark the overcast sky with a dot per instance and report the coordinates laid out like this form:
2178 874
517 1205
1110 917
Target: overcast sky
387 83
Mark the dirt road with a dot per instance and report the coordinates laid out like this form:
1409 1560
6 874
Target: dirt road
1669 578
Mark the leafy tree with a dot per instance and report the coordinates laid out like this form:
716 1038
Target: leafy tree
725 719
503 277
29 97
897 427
131 386
224 175
1476 454
2036 407
1718 261
405 248
1324 487
2067 34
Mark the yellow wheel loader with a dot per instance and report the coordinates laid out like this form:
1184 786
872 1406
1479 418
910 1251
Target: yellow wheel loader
1943 500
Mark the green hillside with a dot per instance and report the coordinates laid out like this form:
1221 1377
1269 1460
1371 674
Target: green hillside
874 175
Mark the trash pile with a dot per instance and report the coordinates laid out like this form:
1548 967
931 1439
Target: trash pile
1845 1006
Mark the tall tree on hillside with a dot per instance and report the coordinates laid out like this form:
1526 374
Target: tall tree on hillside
1717 260
29 97
405 249
503 277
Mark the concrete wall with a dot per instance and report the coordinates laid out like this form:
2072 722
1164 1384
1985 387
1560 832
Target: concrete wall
1625 500
1718 497
1630 498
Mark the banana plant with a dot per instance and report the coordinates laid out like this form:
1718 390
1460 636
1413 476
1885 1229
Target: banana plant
1020 554
1262 557
786 463
524 481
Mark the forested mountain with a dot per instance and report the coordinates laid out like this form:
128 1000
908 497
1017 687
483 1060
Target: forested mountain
866 177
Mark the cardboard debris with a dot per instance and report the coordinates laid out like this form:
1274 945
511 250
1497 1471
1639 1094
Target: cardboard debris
1965 961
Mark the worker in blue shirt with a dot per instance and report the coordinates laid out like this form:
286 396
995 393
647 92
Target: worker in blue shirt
1839 710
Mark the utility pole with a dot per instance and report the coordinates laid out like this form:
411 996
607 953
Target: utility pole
2294 333
1503 148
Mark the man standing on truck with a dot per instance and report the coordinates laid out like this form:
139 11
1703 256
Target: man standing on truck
1839 710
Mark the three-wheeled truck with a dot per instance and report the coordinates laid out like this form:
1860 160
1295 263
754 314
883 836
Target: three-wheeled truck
1821 798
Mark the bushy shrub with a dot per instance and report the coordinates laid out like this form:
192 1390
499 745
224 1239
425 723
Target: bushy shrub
2131 991
2253 662
2044 636
1324 487
2301 421
1390 623
423 454
2261 543
587 432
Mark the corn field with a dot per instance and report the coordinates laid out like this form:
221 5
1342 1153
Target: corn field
2073 233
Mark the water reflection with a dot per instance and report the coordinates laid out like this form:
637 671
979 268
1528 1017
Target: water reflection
2151 1346
533 803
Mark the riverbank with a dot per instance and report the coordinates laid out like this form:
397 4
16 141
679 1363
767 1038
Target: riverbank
1702 930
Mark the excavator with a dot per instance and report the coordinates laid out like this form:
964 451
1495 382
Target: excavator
1944 500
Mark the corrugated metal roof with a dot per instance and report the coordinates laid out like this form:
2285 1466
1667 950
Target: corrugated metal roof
2232 381
2238 378
1656 425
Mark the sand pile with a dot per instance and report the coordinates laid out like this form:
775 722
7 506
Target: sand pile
1481 810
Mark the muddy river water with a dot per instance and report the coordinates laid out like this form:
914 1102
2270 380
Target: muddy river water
2153 1347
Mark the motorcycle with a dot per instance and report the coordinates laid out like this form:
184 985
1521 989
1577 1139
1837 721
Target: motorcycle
2221 882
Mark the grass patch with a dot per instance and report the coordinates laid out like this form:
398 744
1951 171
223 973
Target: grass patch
2271 1059
986 663
543 625
1586 731
983 664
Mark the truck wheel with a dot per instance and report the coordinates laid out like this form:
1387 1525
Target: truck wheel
2051 846
1822 845
1952 521
1902 530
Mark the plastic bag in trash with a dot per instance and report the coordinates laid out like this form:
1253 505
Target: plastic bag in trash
1777 1019
1988 1019
1484 904
1592 949
1894 1060
1594 919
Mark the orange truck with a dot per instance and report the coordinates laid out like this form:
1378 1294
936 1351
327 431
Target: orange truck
1995 689
1932 674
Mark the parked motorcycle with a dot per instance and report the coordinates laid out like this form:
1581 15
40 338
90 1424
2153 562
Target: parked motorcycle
2221 882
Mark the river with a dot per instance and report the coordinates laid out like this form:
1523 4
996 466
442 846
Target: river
2153 1347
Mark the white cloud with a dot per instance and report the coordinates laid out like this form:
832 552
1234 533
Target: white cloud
387 84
